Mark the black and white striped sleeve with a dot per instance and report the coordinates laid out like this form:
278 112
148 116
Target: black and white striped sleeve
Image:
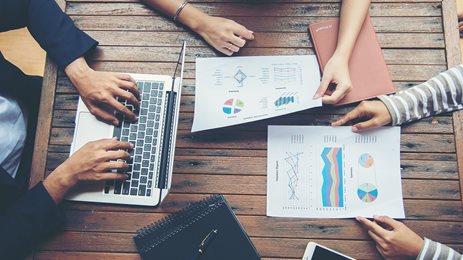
440 94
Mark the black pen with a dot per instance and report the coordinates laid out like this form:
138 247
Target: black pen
205 243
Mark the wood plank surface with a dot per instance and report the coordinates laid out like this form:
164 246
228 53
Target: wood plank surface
416 43
262 39
268 10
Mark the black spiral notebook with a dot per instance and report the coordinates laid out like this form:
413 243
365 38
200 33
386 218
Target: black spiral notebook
205 230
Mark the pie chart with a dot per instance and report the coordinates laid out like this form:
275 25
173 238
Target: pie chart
366 160
367 192
232 106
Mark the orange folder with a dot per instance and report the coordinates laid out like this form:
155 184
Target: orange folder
368 70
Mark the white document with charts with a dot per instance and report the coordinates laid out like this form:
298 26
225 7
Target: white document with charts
331 172
236 90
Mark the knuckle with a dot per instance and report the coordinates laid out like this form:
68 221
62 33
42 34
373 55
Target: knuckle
106 97
363 104
223 37
115 144
109 86
388 238
95 145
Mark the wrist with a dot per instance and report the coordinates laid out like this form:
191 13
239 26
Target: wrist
193 18
341 55
59 182
418 247
77 69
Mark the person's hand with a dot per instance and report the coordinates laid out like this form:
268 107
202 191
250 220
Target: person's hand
93 162
99 91
335 72
375 111
225 35
393 239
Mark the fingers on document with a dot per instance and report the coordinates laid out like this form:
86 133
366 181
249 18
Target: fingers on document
372 227
323 86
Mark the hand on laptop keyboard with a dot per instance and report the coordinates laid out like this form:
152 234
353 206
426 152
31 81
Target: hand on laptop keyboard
93 162
99 91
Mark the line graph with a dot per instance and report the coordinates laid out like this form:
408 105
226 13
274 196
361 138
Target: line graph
292 160
285 75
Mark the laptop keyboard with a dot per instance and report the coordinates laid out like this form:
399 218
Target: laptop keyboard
144 135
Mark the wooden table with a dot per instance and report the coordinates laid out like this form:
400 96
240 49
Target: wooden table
419 40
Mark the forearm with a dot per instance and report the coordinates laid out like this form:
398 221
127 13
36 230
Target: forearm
430 248
56 33
440 94
352 17
189 16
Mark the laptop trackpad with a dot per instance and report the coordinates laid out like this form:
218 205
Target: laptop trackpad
89 129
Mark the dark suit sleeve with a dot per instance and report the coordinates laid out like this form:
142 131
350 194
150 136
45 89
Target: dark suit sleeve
30 220
15 83
52 28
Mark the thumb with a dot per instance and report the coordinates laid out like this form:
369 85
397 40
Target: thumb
323 86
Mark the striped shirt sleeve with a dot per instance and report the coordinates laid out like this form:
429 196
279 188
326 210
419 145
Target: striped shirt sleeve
433 250
440 94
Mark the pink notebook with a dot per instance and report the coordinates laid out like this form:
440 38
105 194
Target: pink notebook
368 70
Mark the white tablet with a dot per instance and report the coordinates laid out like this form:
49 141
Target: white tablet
317 252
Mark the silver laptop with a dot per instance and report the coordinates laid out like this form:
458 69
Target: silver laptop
154 135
